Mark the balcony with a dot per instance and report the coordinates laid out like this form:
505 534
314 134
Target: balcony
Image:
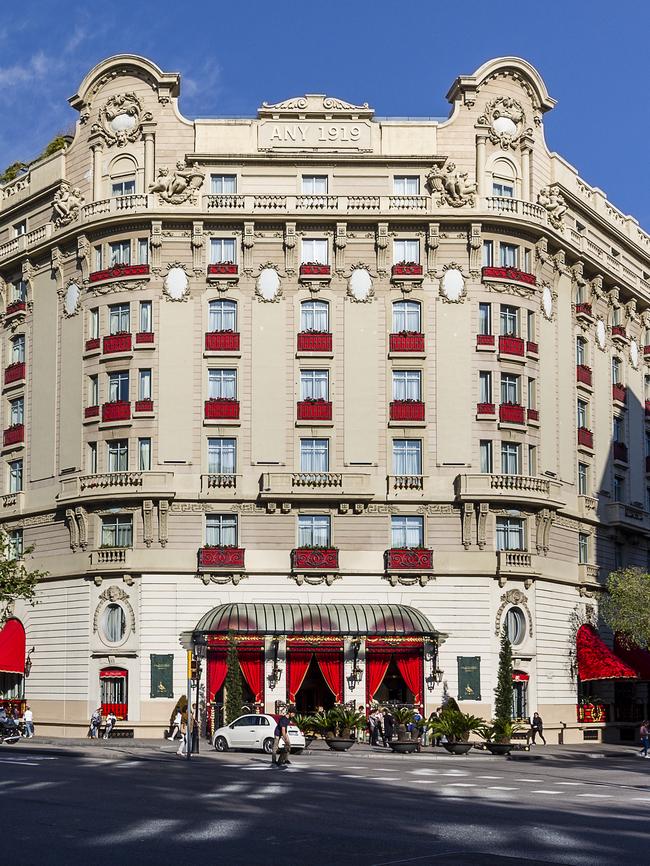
227 270
521 489
512 413
315 559
486 411
15 309
222 341
532 350
627 516
316 486
406 271
114 485
406 341
509 275
315 271
145 339
221 408
93 344
314 410
585 438
111 558
405 487
408 559
142 407
219 484
532 416
619 451
619 332
12 503
15 373
619 393
583 311
588 573
91 413
583 375
119 410
117 344
119 272
485 343
407 410
221 557
314 341
513 347
14 435
516 563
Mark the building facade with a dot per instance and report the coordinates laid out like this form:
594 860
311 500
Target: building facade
318 358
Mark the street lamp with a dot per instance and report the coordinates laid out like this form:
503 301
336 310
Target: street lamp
276 671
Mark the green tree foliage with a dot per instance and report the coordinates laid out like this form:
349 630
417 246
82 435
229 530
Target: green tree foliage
234 692
12 171
16 581
626 605
59 142
503 691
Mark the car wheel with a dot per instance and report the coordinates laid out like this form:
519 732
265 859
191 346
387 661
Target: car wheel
221 744
267 745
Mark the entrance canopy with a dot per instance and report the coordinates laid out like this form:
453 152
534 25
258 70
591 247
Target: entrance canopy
382 620
596 661
12 647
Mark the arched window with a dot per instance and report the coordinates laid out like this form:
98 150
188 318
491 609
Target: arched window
407 317
314 316
515 625
122 177
114 623
222 316
504 179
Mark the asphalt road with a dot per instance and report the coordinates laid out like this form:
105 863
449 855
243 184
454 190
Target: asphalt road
79 805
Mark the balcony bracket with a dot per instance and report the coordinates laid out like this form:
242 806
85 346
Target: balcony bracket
314 579
409 579
222 579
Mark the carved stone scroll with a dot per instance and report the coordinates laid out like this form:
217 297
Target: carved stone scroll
163 511
82 520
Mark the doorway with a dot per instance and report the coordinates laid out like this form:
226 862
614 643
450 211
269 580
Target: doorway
114 692
520 695
314 691
393 688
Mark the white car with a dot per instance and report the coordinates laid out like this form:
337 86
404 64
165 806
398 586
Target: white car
255 732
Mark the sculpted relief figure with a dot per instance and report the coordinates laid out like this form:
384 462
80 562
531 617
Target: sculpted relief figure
66 205
453 185
179 186
552 200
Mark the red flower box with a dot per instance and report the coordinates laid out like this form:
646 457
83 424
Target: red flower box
314 341
619 331
15 372
583 374
591 713
120 410
221 557
532 348
407 410
145 337
222 341
619 392
321 558
223 269
14 435
92 344
533 414
485 340
221 408
314 269
512 346
409 558
619 450
511 413
91 412
314 410
117 343
144 405
485 409
406 269
16 307
646 352
583 310
585 437
513 274
119 271
410 341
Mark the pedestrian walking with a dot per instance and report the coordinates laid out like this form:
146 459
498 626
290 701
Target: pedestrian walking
389 726
282 733
182 746
644 733
176 725
433 717
537 727
416 729
95 723
28 722
111 720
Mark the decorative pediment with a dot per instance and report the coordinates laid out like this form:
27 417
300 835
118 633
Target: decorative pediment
315 105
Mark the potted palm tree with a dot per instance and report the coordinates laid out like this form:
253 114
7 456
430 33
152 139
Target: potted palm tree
342 724
306 725
498 734
456 726
404 744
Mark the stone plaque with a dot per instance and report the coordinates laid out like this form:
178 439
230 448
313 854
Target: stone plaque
314 135
469 678
162 676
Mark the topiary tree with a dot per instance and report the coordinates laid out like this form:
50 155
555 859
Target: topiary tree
503 690
233 683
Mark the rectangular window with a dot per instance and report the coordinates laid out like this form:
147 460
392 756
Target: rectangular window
314 455
314 250
222 316
123 187
407 385
485 449
15 544
314 184
616 371
510 458
532 394
485 386
406 317
99 258
144 385
221 530
118 386
314 316
313 530
18 349
580 351
509 321
508 255
144 455
15 476
93 390
531 336
222 456
120 253
314 384
485 318
406 185
583 479
527 260
19 290
146 317
407 531
222 250
407 457
582 414
406 250
510 533
618 430
509 388
222 384
502 189
117 530
92 458
618 555
583 548
119 318
532 459
17 411
143 251
224 184
118 455
619 488
93 325
20 228
488 254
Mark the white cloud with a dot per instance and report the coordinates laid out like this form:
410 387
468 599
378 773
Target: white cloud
206 80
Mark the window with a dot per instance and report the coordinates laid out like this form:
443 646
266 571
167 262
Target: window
508 255
532 459
123 187
582 413
527 260
19 290
314 384
119 318
146 317
407 457
314 316
314 250
15 476
616 316
144 385
485 386
314 455
407 385
20 228
15 544
618 555
118 455
114 622
314 184
502 189
99 258
222 316
581 351
619 488
580 293
93 390
510 533
488 254
485 449
225 184
510 458
583 479
222 250
616 371
92 458
509 388
93 325
313 530
515 625
144 455
17 411
485 318
618 429
406 185
222 456
509 321
117 530
407 317
532 394
222 384
406 251
530 327
118 386
407 531
18 349
143 251
120 253
221 530
583 548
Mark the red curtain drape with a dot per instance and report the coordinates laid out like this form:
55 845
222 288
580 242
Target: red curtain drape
331 666
377 663
217 670
298 662
411 667
252 667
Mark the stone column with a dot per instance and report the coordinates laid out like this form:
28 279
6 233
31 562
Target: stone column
97 171
526 168
481 138
149 158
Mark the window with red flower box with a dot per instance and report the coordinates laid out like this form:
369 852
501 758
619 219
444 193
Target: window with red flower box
120 410
221 407
320 558
408 558
512 346
585 437
91 412
145 337
619 392
92 344
14 372
14 435
512 413
583 374
485 409
407 410
115 343
119 272
314 410
222 341
228 269
314 341
144 406
407 341
221 557
406 269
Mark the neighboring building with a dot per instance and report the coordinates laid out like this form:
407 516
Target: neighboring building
317 358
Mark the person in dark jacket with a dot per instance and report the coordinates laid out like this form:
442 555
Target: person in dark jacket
537 727
389 726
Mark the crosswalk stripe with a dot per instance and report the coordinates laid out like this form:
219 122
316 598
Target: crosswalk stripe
544 791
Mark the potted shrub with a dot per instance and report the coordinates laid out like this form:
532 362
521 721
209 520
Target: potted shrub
456 726
404 744
343 726
498 734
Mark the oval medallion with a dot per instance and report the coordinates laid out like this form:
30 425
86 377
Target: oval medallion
268 284
360 284
634 354
547 302
601 333
123 122
71 299
176 283
452 285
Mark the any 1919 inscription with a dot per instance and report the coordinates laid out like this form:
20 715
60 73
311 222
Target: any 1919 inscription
302 134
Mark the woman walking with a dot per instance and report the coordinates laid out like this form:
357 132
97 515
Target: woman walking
537 727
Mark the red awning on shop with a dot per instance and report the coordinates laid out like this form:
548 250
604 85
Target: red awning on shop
12 647
520 677
634 656
596 661
113 673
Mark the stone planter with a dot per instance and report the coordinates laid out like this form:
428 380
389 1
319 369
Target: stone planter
457 748
339 744
499 748
403 747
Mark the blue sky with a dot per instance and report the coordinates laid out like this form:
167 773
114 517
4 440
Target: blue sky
400 58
